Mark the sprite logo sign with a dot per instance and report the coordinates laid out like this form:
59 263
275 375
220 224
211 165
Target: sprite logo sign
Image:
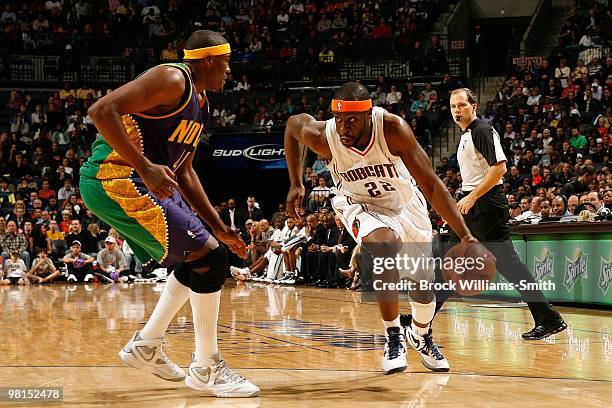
575 268
605 275
544 266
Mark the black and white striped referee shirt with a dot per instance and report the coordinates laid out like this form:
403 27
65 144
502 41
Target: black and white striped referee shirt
479 149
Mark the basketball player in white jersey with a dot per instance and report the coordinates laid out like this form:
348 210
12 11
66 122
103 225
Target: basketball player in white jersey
373 157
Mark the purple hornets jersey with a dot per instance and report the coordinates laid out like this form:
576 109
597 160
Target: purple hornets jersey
166 139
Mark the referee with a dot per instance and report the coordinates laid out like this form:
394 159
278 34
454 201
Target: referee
482 164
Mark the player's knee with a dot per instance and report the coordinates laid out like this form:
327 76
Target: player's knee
209 271
382 242
182 273
366 261
381 235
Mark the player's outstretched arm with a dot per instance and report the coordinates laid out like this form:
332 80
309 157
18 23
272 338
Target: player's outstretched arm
402 143
301 130
159 89
191 188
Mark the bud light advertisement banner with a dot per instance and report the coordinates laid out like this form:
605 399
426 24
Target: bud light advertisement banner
248 151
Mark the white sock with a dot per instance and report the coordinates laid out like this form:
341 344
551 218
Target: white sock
424 314
421 331
392 323
173 297
205 308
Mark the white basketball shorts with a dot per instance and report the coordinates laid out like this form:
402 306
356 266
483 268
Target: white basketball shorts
411 224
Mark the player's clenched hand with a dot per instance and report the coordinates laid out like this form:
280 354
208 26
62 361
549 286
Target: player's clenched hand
159 180
231 238
295 197
469 239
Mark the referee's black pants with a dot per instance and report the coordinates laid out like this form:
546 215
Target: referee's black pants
488 222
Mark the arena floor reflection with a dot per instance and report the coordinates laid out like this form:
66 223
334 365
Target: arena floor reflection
303 346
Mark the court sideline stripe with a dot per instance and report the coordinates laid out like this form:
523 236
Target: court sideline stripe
444 312
273 338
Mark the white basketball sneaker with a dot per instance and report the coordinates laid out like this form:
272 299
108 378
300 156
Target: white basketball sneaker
290 278
241 274
148 355
88 278
287 278
217 379
431 356
394 356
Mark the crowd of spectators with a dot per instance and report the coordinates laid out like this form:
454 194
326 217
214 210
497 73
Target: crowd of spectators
302 39
424 107
47 140
555 167
553 118
42 148
299 39
558 165
315 249
586 26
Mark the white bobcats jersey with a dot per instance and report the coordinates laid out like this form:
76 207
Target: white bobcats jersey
373 176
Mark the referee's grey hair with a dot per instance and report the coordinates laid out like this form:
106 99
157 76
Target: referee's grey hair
471 96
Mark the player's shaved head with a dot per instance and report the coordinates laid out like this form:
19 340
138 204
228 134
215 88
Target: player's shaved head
352 91
203 39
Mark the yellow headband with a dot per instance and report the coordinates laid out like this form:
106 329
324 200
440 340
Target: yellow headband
200 53
351 106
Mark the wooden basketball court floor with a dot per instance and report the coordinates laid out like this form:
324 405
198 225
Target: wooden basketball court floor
303 346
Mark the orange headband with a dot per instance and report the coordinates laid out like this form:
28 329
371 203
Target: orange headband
338 105
200 53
